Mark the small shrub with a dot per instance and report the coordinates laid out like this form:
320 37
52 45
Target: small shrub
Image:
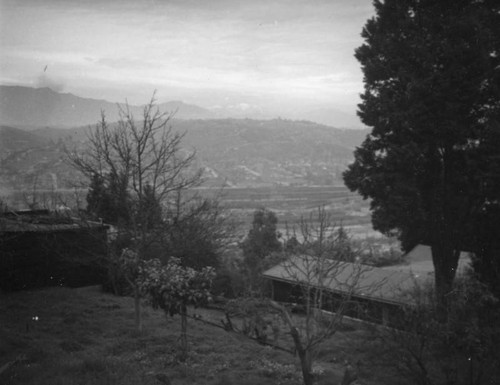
283 373
228 284
461 349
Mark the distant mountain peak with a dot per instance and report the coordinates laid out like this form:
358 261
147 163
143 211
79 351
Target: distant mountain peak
37 107
28 107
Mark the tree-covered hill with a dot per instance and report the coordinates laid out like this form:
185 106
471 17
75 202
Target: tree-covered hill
237 152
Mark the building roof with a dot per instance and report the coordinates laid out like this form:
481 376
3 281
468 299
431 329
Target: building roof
419 260
42 221
361 281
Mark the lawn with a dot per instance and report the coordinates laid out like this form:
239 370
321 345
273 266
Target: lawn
62 336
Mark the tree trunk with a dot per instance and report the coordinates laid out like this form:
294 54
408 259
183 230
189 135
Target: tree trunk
445 261
304 356
138 315
184 346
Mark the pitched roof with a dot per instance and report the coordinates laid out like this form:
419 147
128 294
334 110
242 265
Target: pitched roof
361 281
419 259
42 221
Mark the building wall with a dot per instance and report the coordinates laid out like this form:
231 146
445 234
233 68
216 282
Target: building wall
48 258
356 307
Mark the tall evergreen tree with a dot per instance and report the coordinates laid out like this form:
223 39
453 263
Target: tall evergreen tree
261 241
432 96
97 198
108 199
484 234
263 237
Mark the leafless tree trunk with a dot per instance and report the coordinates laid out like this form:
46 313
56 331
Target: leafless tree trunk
318 269
303 352
184 346
137 309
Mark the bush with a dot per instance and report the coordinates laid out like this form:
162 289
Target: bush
461 348
228 283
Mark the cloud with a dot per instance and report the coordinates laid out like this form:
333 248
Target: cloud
265 51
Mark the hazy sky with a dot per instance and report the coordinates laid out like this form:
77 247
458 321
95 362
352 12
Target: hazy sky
278 55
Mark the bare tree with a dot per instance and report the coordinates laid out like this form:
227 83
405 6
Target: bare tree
143 165
197 230
323 311
320 236
320 283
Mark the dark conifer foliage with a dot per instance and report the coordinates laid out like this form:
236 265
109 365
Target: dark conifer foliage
262 240
432 97
263 237
108 199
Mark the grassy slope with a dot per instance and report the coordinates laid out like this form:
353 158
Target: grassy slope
83 336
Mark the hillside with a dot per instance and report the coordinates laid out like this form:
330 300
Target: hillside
253 152
86 337
232 152
16 140
27 107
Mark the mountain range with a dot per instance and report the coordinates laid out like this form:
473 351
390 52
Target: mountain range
37 125
26 107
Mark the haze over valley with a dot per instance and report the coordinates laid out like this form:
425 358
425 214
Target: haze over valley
266 94
280 160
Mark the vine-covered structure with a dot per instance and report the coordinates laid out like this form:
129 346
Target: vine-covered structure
39 248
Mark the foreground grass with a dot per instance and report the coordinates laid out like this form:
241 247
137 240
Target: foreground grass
62 336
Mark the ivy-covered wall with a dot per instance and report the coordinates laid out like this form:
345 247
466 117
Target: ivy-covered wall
34 259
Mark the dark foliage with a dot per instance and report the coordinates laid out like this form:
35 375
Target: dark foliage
432 98
196 230
462 350
262 241
263 237
108 200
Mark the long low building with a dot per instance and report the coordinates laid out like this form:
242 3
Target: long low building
372 294
419 259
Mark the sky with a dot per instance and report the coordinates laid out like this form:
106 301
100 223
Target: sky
279 55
